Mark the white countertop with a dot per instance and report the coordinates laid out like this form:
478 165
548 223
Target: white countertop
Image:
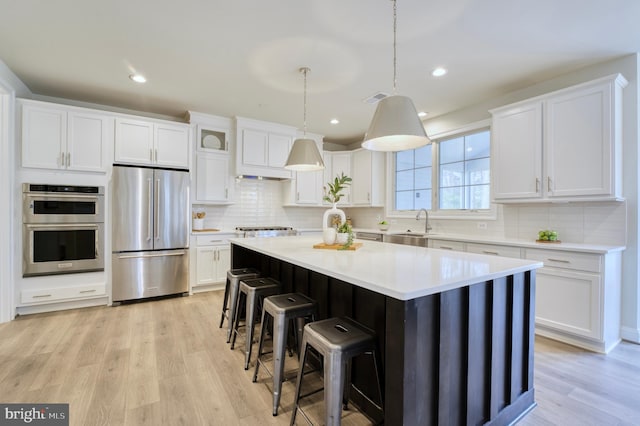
398 271
563 246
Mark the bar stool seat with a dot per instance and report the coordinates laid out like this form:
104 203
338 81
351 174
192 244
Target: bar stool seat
251 292
283 308
338 340
234 276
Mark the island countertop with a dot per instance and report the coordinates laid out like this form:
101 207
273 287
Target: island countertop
398 271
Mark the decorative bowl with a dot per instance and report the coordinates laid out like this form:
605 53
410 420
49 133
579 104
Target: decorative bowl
383 226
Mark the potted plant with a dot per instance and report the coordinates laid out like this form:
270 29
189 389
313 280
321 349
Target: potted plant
334 193
344 233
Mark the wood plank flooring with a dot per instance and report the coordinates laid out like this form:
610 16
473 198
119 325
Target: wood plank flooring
167 362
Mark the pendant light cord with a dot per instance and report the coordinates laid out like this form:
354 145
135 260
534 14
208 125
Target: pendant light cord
305 70
395 25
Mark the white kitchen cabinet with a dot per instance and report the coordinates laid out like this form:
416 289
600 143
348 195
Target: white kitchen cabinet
64 138
335 164
263 148
493 250
535 145
446 244
212 178
368 172
578 297
145 142
212 261
62 294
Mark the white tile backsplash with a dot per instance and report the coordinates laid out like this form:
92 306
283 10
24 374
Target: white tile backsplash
259 203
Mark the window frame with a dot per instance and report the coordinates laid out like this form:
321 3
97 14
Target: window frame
435 212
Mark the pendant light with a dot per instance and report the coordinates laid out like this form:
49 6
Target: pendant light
304 155
395 125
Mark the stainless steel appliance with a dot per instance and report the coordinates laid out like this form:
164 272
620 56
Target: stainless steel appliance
370 236
264 231
150 232
62 229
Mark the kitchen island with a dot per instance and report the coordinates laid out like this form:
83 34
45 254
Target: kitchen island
455 330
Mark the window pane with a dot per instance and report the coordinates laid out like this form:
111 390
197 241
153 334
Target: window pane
452 198
404 160
478 171
451 150
479 197
423 156
451 175
477 145
423 200
423 178
404 180
404 200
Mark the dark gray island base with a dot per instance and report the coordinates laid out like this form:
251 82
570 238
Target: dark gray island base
458 357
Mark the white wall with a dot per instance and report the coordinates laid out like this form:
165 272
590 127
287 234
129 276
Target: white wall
10 87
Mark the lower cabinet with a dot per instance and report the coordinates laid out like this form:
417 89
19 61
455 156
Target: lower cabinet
60 294
212 261
577 294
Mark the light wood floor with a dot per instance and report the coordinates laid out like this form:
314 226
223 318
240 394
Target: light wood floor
167 362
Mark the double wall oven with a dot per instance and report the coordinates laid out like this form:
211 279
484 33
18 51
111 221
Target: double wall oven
62 229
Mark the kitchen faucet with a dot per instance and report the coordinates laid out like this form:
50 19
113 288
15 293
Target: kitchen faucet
427 227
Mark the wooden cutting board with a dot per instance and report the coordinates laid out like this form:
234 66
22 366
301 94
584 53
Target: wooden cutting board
206 230
354 246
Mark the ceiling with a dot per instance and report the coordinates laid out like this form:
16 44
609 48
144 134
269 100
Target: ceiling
241 58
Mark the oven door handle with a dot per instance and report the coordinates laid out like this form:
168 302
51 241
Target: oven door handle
41 197
61 225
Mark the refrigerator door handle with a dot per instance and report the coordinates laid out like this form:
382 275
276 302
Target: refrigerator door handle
157 209
150 210
141 256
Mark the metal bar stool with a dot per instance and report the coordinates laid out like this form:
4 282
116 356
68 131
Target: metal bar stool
251 292
283 308
338 340
234 276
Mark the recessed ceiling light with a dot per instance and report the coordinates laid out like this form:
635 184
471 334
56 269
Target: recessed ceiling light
422 114
138 78
334 121
439 72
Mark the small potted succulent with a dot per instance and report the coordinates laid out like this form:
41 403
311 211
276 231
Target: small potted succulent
344 235
383 225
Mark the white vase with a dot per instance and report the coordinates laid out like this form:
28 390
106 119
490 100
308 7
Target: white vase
327 215
342 237
329 236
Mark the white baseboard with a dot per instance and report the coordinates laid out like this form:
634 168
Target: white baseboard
60 306
630 334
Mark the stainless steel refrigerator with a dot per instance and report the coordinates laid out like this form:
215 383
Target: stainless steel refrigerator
150 232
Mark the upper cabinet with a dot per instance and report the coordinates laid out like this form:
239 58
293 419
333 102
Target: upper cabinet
139 141
263 148
64 138
211 173
563 146
335 164
305 188
368 186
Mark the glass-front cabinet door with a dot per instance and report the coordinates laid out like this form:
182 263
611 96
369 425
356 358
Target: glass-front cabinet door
212 139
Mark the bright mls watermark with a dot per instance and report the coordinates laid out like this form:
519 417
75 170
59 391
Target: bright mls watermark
34 414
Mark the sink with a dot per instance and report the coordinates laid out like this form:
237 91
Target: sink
407 238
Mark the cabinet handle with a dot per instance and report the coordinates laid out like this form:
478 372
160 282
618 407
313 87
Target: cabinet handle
37 296
495 253
215 241
88 291
548 184
298 196
150 155
61 159
368 196
558 260
445 248
537 185
226 193
68 159
156 159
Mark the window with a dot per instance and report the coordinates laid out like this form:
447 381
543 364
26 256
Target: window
464 172
457 166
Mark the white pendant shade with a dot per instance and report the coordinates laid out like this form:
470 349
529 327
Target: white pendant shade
304 156
395 126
